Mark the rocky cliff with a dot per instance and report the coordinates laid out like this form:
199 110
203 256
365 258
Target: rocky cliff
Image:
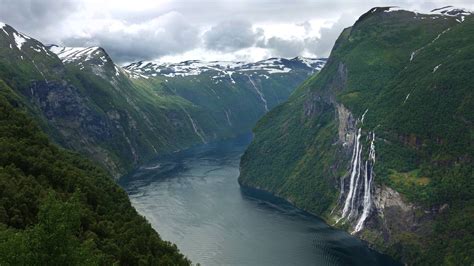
122 117
380 141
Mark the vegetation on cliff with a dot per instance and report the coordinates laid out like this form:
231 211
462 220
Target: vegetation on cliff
411 72
57 208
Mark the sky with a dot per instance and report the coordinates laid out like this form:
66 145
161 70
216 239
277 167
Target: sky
178 30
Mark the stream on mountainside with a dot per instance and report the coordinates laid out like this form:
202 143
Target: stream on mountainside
192 198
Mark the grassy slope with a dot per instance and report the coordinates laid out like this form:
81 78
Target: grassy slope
87 106
210 100
57 208
142 115
427 138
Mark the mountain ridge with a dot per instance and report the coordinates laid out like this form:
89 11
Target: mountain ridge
123 118
373 144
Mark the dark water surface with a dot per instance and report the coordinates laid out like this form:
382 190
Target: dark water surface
192 198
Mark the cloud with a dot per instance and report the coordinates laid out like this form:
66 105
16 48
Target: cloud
35 15
322 45
306 26
285 47
132 30
167 34
230 36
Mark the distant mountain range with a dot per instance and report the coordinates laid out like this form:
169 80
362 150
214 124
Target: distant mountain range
225 69
123 117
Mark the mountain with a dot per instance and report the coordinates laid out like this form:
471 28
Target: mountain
123 117
227 98
380 141
225 69
57 208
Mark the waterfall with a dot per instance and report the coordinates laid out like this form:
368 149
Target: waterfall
34 64
195 128
360 183
355 163
354 197
369 177
227 116
260 94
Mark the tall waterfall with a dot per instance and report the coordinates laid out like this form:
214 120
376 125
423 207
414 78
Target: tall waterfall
194 125
360 183
368 178
259 93
354 171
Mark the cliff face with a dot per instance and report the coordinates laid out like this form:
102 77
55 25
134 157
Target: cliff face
121 117
57 208
379 141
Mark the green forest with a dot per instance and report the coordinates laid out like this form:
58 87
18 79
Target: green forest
57 208
421 107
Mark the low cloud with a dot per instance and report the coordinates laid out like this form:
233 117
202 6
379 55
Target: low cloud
328 35
230 36
285 47
168 34
315 46
33 15
132 30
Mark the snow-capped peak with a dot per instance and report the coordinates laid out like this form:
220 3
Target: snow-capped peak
451 11
20 39
222 68
443 11
71 54
3 26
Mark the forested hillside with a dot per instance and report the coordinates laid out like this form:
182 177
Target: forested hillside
57 208
125 117
380 142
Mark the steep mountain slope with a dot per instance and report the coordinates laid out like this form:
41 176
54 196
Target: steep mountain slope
57 208
122 118
68 102
228 97
380 141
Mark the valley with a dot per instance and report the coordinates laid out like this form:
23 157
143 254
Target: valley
381 145
193 199
265 149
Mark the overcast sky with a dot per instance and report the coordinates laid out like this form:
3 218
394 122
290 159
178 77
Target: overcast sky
176 30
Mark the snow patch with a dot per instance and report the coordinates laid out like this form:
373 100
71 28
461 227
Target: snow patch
19 39
442 12
223 69
117 71
2 26
71 54
451 11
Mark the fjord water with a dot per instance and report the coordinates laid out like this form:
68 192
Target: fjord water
192 198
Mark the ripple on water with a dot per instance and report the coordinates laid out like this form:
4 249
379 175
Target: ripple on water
193 199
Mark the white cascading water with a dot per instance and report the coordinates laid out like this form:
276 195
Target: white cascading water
227 116
359 169
354 170
369 177
260 94
354 197
194 125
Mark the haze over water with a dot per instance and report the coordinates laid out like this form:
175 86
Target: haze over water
192 198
